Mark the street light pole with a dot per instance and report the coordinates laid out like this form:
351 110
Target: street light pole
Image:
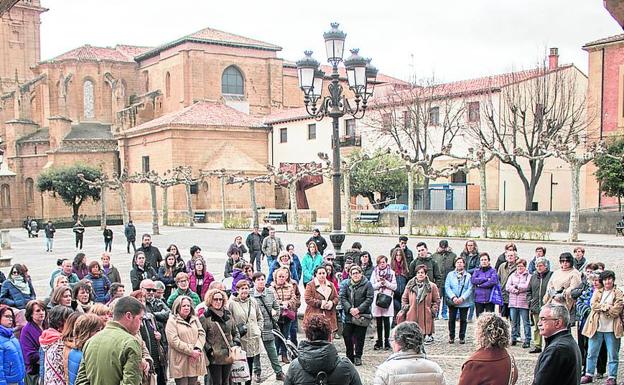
361 77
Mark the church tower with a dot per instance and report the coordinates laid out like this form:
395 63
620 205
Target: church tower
20 43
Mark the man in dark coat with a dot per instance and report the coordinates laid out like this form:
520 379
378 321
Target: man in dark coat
560 362
49 230
321 243
318 358
535 297
445 259
354 253
153 258
425 258
130 233
254 245
79 230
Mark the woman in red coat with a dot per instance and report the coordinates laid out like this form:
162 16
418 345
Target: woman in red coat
491 364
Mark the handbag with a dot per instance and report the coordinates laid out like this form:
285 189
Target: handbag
383 300
240 369
232 351
496 296
289 313
242 327
449 301
362 319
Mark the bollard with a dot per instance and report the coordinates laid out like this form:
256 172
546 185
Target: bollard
5 239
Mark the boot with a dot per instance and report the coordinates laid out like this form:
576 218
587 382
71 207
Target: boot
387 345
378 345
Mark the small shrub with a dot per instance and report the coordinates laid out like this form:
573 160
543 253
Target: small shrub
495 231
463 231
516 232
441 231
305 225
236 223
366 228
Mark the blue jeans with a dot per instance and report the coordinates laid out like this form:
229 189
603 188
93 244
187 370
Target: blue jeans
613 352
49 243
516 315
256 256
294 327
270 260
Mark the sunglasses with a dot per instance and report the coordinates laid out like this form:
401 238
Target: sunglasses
150 290
218 299
15 273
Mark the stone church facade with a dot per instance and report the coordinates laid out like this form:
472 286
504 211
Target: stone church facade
200 100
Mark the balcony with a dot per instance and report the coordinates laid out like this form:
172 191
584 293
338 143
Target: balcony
351 141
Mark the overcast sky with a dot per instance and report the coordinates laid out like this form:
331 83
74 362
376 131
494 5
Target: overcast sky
451 40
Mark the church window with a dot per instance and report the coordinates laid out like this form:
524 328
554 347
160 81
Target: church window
167 84
5 196
30 190
88 100
232 82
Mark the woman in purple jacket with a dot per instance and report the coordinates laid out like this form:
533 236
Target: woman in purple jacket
36 316
517 286
484 279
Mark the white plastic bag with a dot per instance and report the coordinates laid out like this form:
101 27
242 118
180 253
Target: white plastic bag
240 369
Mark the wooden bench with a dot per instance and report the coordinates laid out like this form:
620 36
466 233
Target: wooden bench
371 217
619 228
199 217
276 217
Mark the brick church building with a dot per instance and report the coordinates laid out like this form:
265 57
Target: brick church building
199 100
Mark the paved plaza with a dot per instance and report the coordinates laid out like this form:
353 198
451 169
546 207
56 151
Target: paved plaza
215 242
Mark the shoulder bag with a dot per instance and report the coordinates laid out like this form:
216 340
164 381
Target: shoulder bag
232 354
275 325
242 327
362 319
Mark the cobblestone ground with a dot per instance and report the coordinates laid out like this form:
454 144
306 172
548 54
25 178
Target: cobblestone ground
214 243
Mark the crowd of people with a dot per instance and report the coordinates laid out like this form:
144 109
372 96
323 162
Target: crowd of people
179 322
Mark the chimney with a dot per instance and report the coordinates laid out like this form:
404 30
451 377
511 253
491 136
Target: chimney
553 59
59 127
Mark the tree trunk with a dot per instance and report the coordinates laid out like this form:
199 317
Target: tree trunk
483 200
426 195
189 204
165 205
575 169
292 193
619 204
155 229
123 201
346 175
75 210
410 199
222 201
529 193
254 204
103 207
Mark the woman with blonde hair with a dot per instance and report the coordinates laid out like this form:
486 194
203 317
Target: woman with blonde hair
491 364
102 311
186 338
248 318
85 327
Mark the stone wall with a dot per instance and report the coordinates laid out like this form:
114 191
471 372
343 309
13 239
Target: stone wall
556 221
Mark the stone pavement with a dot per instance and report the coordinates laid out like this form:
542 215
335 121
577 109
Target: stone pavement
215 242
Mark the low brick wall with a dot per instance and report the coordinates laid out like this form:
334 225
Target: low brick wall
556 221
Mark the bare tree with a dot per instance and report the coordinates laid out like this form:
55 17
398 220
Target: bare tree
421 121
535 106
152 179
251 181
223 175
180 175
115 183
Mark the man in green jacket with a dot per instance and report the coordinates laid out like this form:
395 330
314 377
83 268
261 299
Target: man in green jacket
113 356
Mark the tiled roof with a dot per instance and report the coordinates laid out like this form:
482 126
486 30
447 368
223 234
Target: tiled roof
213 36
287 115
204 113
120 53
90 131
606 40
41 135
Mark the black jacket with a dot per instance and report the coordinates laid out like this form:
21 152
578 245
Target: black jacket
130 232
560 362
537 290
342 258
433 270
153 258
321 243
316 356
360 296
137 275
446 263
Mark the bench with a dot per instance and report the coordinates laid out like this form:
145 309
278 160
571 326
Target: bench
199 217
277 217
371 217
619 228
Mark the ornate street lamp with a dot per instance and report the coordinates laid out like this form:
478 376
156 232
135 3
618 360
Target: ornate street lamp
361 77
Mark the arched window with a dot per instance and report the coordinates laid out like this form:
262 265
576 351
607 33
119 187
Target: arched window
30 190
88 99
167 84
232 82
5 196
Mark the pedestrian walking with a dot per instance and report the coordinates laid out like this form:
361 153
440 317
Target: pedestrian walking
49 230
408 365
130 233
108 239
271 247
79 230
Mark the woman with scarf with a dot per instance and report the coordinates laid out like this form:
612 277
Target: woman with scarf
79 266
421 301
321 298
82 295
311 260
140 271
356 297
200 279
221 335
99 282
247 316
458 295
384 282
399 266
110 271
12 370
17 290
29 339
168 272
484 279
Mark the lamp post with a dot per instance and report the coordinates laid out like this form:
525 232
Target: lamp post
361 76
